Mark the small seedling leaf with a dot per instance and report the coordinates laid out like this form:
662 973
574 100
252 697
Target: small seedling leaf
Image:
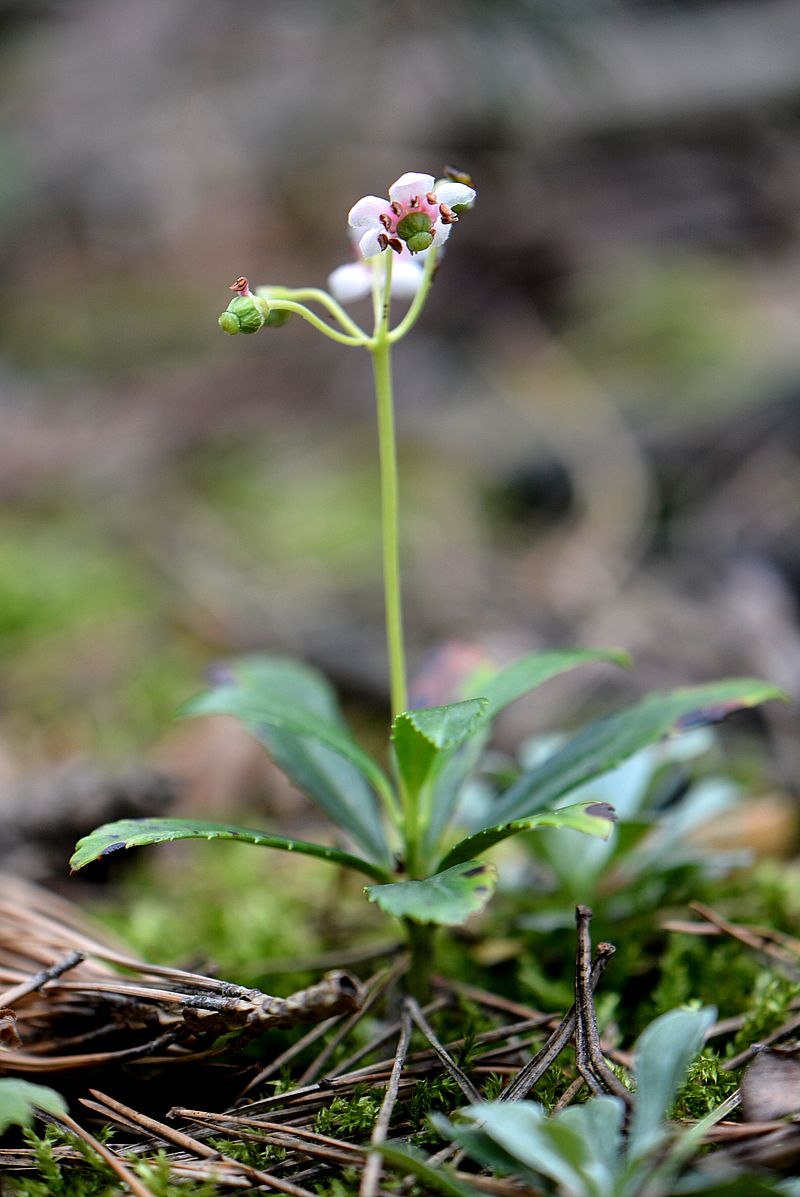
423 737
20 1101
530 1144
591 818
662 1056
604 743
448 898
137 833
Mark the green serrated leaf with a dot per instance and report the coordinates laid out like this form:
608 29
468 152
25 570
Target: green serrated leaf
447 898
605 743
531 672
499 690
20 1100
138 833
592 818
292 711
423 737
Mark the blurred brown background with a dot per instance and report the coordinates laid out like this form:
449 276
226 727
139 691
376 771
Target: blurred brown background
598 411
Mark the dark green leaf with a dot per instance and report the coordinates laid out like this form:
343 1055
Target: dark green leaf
448 786
136 833
19 1101
292 711
592 818
423 737
530 672
499 690
605 743
447 899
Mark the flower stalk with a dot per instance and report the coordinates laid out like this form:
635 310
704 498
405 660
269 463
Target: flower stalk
397 242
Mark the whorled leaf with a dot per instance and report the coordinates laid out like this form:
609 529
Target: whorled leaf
499 690
605 743
137 833
423 737
532 671
446 898
591 818
291 709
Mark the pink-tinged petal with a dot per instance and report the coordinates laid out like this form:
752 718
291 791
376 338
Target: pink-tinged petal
409 185
369 245
350 282
440 233
406 278
453 194
367 212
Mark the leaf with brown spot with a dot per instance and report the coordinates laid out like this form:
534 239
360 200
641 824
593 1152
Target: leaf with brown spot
605 743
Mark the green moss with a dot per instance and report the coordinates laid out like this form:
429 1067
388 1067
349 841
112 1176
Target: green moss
246 1151
769 1006
350 1117
707 1086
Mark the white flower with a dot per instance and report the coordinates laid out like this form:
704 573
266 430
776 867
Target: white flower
354 280
419 213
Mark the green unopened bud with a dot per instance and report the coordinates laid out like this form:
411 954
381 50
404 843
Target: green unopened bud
248 311
229 323
415 230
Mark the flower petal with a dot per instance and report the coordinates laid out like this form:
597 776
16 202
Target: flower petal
369 244
406 278
409 185
440 233
350 282
453 194
367 212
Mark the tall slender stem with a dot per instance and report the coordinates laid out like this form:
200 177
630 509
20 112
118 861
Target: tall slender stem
382 372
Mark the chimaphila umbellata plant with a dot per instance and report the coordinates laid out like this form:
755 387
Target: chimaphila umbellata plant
423 859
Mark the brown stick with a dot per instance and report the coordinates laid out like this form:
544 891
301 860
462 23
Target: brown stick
372 1169
535 1069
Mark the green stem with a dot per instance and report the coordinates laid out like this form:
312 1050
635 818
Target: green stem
314 295
419 937
381 351
413 313
288 305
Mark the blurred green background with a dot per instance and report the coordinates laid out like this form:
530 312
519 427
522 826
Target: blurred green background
598 411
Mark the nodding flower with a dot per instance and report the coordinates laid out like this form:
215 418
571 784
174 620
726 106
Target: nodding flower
418 214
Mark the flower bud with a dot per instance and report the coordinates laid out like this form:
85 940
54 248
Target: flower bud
229 323
415 230
244 314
